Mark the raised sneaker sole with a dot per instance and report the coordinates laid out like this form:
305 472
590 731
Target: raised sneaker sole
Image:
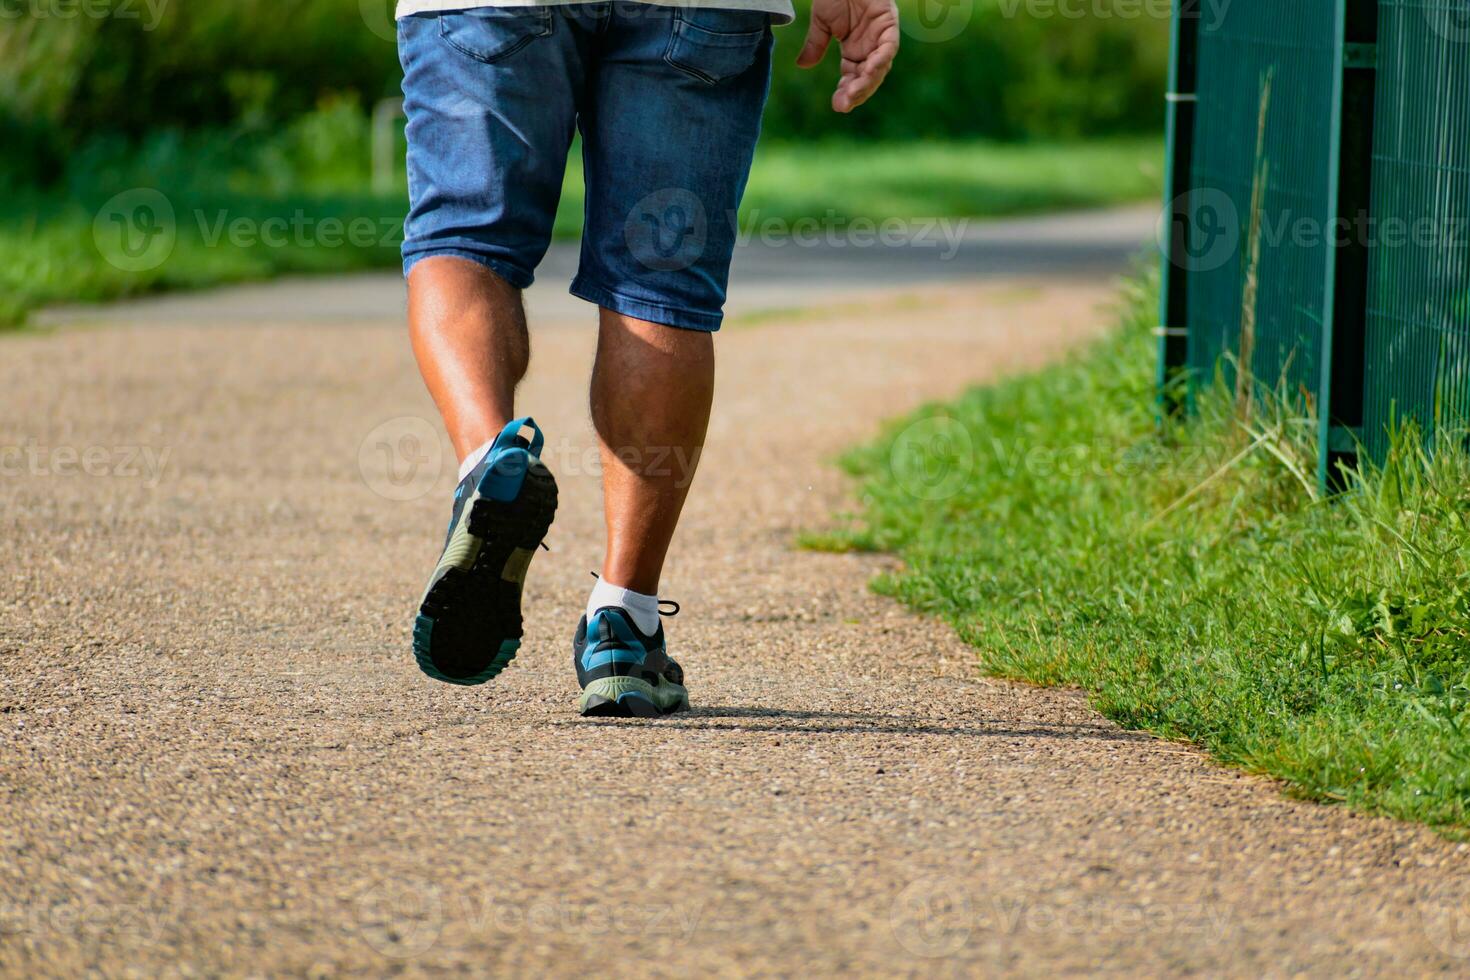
468 627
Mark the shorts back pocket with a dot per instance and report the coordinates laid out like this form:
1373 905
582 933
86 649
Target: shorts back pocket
713 45
491 34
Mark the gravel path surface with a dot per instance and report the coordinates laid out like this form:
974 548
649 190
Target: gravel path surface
217 755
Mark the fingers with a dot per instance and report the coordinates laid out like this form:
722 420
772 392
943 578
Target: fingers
852 92
869 39
860 79
855 90
818 36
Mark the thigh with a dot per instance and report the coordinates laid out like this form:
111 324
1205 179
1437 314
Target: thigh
669 129
491 97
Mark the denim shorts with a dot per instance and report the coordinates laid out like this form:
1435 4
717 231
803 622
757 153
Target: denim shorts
668 102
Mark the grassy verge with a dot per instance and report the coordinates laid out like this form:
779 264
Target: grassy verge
275 209
54 251
1193 583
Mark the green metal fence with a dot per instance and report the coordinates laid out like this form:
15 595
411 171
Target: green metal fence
1318 194
1418 328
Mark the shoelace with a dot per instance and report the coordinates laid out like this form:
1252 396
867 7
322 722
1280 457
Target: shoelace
670 612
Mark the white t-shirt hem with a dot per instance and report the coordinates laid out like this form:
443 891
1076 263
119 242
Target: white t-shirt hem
781 11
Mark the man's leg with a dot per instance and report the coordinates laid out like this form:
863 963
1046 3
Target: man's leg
468 329
652 386
651 391
669 130
491 100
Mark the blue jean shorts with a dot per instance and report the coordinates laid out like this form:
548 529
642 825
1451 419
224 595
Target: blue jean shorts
668 101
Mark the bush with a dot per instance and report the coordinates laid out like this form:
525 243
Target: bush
213 63
1007 76
205 63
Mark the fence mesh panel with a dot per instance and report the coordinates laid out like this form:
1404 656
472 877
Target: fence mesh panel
1244 48
1418 328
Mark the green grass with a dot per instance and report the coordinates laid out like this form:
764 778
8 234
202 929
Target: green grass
49 253
1190 579
931 180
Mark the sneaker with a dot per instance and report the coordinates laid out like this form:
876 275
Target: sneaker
469 622
624 673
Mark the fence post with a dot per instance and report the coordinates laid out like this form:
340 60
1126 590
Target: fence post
1174 238
1345 311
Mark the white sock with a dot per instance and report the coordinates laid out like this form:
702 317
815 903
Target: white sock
473 459
642 609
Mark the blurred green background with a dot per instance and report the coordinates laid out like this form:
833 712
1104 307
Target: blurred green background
251 109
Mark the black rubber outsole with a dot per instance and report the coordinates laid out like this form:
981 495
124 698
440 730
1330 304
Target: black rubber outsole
636 707
469 625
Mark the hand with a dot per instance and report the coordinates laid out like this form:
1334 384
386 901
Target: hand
868 33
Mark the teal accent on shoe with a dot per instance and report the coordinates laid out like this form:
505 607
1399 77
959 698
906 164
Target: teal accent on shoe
510 456
423 628
622 672
468 627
